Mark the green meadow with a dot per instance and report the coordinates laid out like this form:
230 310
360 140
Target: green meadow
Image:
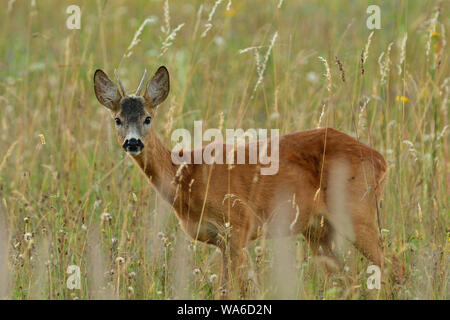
70 196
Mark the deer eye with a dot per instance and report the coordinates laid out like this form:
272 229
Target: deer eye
118 122
147 120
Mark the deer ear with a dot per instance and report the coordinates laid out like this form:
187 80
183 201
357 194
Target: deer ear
106 91
158 87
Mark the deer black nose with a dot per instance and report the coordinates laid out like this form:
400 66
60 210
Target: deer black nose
133 145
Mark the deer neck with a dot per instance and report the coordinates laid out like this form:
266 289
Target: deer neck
156 162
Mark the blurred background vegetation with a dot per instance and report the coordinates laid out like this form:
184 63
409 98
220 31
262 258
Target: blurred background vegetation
70 196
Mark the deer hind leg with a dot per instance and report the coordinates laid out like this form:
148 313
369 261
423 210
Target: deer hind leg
365 194
368 241
351 203
319 236
357 223
367 237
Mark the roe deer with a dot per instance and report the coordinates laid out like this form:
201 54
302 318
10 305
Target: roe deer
228 206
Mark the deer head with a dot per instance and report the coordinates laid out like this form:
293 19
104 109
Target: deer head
133 113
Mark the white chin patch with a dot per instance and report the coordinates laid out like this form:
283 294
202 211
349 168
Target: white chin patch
134 153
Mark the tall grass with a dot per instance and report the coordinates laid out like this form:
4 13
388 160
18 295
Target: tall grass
61 168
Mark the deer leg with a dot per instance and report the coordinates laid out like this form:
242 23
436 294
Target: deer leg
319 239
368 242
367 237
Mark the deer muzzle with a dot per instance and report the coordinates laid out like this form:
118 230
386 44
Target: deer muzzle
133 146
